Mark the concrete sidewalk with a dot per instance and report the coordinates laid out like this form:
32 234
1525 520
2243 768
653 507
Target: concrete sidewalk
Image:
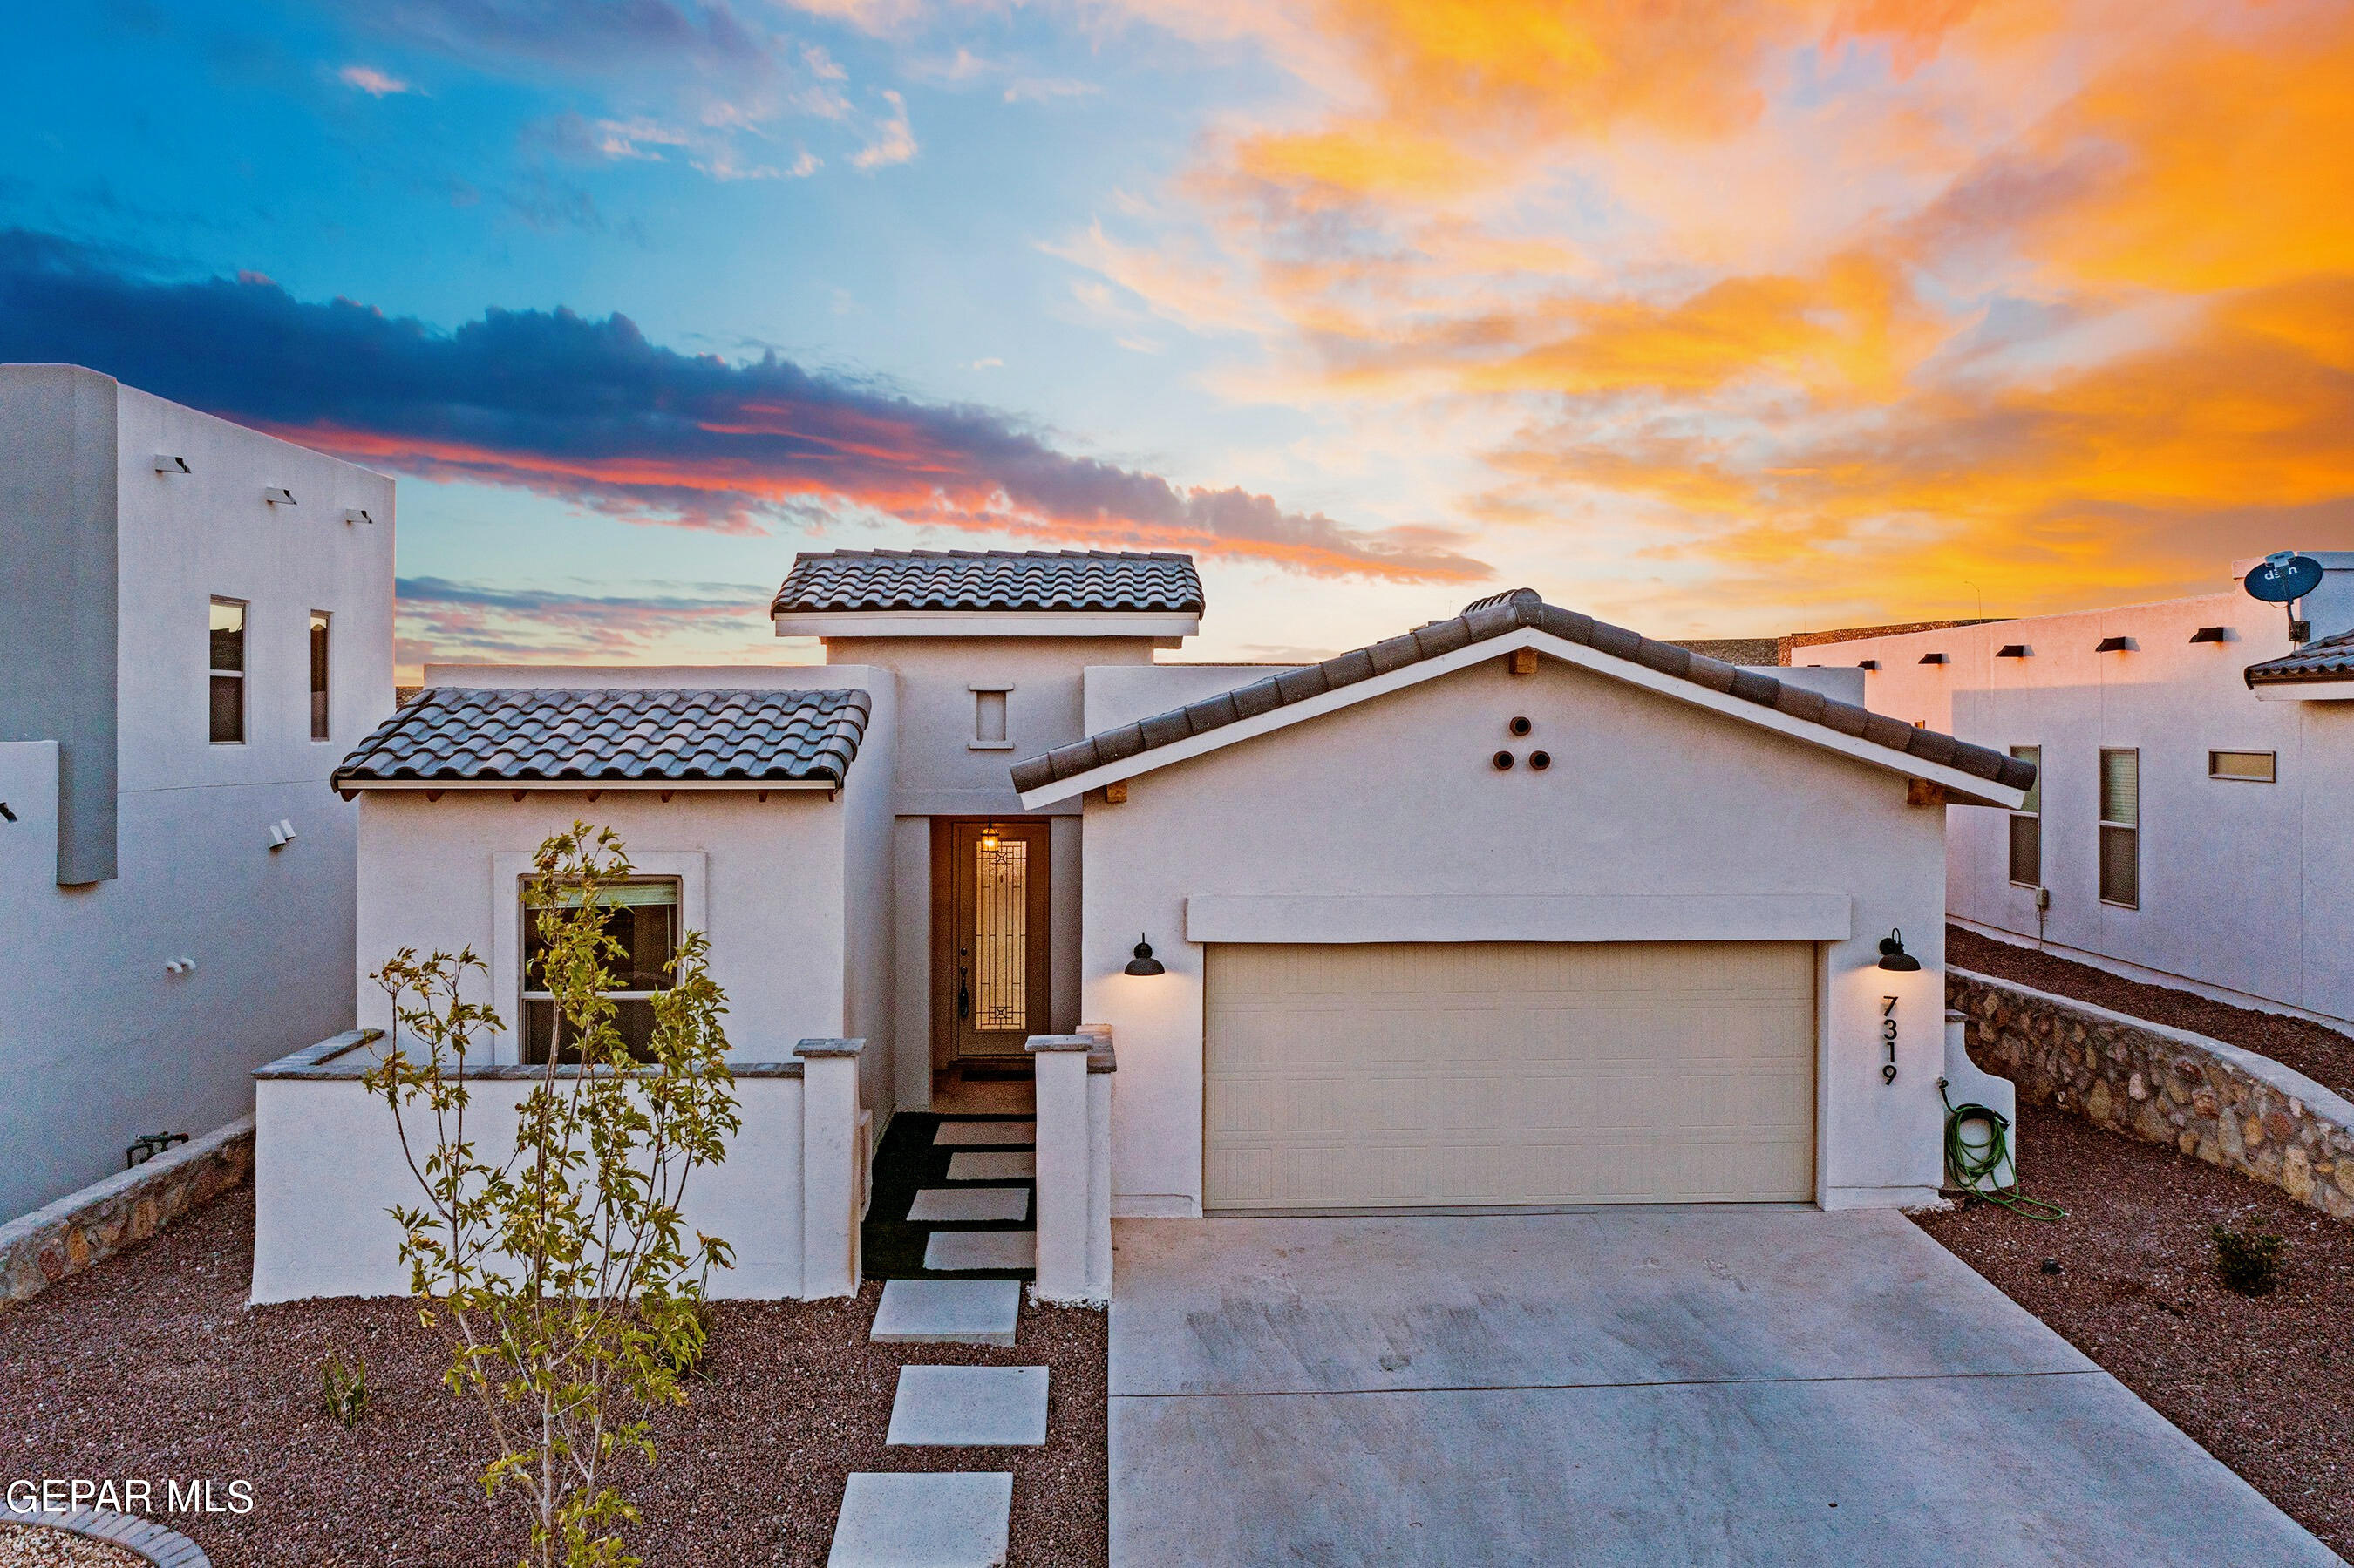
1627 1385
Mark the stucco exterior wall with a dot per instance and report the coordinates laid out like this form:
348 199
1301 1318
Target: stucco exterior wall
1396 797
773 875
2245 886
98 1043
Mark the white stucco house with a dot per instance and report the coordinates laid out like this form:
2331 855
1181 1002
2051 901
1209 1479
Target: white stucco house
1514 908
199 627
2194 820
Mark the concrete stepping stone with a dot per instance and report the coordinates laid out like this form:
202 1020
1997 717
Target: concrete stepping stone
947 1311
971 1134
954 1205
950 1250
923 1520
993 1165
970 1407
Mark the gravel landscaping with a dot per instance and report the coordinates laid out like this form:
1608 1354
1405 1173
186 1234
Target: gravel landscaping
2321 1054
152 1366
31 1546
2265 1383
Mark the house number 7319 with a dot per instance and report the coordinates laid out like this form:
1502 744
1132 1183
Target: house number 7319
1888 1038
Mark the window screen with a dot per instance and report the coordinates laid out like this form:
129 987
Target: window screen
2121 828
642 917
318 675
225 667
2248 766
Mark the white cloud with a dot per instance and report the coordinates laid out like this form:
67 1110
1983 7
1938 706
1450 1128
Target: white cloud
895 140
372 82
991 363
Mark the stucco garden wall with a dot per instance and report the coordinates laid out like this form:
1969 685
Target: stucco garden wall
2226 1105
1649 805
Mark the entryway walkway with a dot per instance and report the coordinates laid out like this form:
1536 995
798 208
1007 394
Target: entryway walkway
954 1244
1696 1384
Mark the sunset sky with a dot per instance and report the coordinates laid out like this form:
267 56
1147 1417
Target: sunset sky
1709 319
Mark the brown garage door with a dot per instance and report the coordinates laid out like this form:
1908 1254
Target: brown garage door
1345 1075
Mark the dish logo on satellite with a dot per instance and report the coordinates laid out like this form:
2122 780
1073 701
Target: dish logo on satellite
131 1494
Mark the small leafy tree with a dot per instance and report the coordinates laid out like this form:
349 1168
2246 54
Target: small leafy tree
561 1273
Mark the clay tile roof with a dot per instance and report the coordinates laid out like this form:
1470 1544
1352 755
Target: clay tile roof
1493 617
834 581
467 733
2331 659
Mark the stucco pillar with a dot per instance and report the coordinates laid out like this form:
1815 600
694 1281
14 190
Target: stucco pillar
1065 1164
1099 1082
831 1158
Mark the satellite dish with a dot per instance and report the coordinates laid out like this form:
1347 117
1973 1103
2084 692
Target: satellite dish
2284 576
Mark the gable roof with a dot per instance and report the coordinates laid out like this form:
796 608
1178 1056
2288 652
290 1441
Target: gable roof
2331 659
990 581
1840 725
458 736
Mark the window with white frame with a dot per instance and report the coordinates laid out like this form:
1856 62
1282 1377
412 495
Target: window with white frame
2243 766
2027 824
2121 828
226 668
642 917
319 674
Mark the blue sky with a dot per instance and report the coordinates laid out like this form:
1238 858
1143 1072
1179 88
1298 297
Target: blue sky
1792 318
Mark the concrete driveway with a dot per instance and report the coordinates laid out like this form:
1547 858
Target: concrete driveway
1627 1385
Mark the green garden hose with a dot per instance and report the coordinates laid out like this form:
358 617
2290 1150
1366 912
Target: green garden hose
1975 1169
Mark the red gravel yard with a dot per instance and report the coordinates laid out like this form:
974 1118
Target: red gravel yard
152 1366
2265 1383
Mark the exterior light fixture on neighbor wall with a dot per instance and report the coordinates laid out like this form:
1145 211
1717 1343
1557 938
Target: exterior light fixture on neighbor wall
1892 955
1144 963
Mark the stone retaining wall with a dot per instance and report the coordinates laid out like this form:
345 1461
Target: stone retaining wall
85 1228
2229 1106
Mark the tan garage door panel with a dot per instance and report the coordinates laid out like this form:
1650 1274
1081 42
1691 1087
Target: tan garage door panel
1350 1076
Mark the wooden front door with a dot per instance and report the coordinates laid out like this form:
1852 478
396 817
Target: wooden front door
990 948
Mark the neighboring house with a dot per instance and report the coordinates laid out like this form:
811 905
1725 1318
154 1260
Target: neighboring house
2194 824
1515 908
199 626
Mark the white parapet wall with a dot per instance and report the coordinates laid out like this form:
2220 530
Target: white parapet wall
1073 1177
329 1166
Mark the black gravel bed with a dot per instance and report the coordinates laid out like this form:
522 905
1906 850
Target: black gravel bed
151 1365
906 1162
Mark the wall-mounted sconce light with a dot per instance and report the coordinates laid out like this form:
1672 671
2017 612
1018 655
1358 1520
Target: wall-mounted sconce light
282 833
1892 955
358 514
1144 963
277 495
167 462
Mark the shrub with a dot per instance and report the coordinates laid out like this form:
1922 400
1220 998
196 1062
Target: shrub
2249 1261
344 1386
